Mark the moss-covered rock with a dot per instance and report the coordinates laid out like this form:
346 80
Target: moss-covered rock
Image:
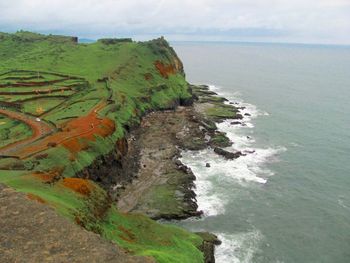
219 139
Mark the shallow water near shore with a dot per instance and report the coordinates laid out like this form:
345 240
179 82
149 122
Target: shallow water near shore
288 199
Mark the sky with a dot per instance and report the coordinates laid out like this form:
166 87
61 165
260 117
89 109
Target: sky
296 21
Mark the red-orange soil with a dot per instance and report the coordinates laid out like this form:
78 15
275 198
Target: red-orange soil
39 130
81 186
50 176
127 235
165 70
35 198
75 135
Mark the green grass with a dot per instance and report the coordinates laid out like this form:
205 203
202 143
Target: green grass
76 109
12 131
221 111
145 237
220 140
39 106
19 98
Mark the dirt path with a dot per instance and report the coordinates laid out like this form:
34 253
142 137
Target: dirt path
39 129
33 232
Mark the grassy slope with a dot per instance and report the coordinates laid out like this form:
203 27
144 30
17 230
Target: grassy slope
12 130
125 66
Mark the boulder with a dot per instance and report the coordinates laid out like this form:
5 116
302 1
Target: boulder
239 116
236 123
228 155
208 246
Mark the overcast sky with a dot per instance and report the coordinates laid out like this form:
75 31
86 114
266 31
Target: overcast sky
303 21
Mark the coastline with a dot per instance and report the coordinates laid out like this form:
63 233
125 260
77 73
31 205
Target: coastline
162 186
129 171
79 176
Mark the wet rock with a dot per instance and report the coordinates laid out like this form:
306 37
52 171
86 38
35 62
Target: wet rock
178 163
236 123
207 165
247 114
241 108
208 246
228 155
239 116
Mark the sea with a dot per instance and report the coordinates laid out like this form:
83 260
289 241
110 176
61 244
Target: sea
288 199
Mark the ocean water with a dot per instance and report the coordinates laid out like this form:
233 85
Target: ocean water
289 199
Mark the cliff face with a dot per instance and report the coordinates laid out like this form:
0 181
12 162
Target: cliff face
79 102
162 49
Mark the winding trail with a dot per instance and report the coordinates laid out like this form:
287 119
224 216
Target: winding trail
46 135
40 129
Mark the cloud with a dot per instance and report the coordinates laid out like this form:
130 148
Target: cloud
326 21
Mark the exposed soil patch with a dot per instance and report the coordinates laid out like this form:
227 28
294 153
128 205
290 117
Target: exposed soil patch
164 69
81 186
35 198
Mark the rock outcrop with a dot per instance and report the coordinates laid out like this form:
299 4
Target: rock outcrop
33 232
228 155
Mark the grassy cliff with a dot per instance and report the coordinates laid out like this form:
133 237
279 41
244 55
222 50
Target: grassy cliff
63 105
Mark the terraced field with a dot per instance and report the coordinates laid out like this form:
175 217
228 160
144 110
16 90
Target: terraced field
28 111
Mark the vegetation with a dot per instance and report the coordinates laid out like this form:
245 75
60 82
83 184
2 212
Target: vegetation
12 130
89 93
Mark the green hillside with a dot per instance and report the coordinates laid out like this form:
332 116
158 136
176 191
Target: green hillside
66 104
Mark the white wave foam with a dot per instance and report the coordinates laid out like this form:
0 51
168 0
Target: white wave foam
208 199
248 168
238 248
294 144
211 182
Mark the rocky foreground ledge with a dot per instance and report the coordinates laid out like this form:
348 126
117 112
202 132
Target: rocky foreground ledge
29 226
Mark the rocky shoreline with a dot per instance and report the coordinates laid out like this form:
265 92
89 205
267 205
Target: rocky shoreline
156 147
143 174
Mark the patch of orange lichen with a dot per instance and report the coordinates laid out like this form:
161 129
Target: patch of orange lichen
36 198
78 185
165 70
